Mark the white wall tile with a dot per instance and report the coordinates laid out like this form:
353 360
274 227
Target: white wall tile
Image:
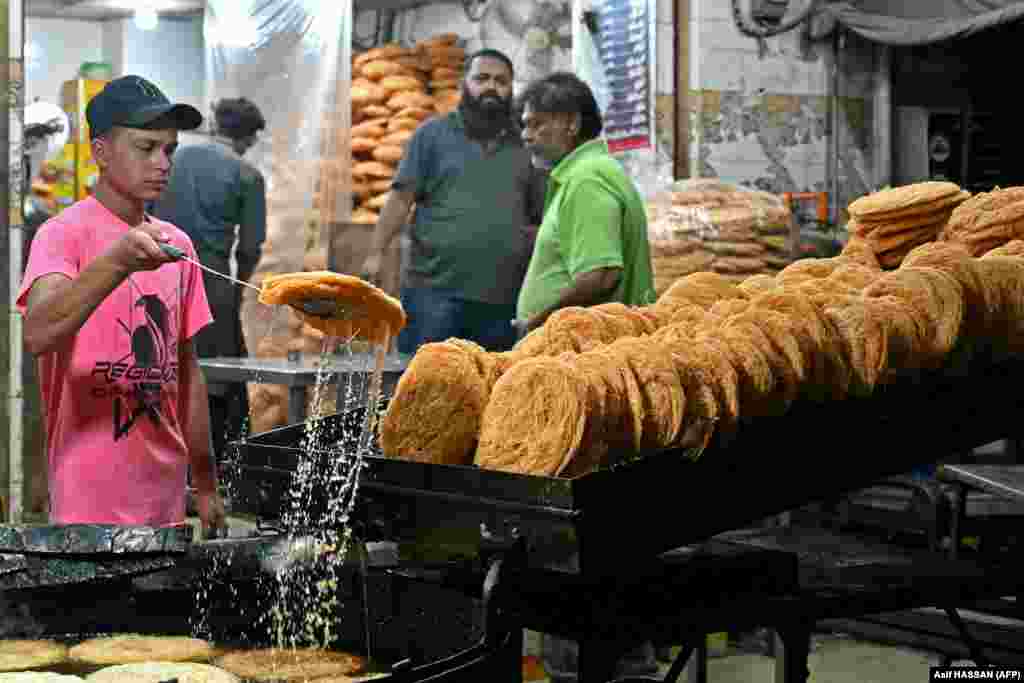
746 148
739 171
779 74
724 70
723 34
711 9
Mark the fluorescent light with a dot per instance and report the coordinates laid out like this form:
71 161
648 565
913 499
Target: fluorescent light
145 18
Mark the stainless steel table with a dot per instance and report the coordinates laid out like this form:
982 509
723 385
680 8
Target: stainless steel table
300 373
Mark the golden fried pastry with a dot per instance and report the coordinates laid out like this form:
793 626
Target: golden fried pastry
950 297
618 325
756 380
907 329
291 664
854 274
938 300
858 249
18 655
887 202
594 448
663 399
1011 248
703 289
755 284
825 372
694 363
630 407
689 315
128 648
782 352
485 362
435 413
814 267
728 307
1003 276
864 336
362 310
159 672
585 327
675 335
535 420
627 321
377 69
650 318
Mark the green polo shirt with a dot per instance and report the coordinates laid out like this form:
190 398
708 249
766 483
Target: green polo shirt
593 218
472 205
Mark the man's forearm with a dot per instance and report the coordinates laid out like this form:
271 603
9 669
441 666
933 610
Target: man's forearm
195 412
56 313
588 289
392 217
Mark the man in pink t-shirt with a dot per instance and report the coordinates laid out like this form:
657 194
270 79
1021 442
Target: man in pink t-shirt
110 318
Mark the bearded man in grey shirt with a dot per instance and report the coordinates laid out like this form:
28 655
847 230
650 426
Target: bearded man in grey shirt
213 191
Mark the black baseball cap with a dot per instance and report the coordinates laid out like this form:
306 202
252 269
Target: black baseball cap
134 102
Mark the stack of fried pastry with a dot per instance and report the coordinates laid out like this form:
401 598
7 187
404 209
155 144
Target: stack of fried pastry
394 89
987 220
709 225
895 220
597 383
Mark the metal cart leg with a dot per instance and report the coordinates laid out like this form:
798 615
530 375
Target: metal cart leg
977 654
296 405
956 525
699 668
791 651
679 663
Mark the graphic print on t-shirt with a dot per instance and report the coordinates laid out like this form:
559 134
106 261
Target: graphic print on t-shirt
135 381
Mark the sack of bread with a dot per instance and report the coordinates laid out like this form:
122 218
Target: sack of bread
708 224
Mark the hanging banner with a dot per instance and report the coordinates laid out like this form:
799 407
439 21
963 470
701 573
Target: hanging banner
625 44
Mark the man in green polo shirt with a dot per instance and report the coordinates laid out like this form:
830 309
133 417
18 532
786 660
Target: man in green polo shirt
592 244
478 201
591 248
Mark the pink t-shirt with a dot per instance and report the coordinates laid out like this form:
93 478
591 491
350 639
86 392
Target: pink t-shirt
115 446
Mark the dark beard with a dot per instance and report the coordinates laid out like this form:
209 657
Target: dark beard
485 119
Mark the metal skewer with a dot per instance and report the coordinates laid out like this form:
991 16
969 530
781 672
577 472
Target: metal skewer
321 308
176 253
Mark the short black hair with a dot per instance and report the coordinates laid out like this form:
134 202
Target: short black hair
238 118
565 93
493 54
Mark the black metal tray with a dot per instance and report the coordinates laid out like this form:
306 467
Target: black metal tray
665 500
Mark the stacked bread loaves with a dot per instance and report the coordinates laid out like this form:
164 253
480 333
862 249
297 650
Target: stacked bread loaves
987 220
710 225
395 89
895 220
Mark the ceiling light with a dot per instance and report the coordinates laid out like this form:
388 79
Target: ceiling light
145 18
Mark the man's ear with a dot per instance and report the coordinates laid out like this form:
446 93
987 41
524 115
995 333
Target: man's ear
101 151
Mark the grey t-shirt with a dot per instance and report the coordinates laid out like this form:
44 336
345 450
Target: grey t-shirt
213 189
472 206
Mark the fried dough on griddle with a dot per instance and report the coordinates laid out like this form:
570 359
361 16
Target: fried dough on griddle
130 648
290 664
18 655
